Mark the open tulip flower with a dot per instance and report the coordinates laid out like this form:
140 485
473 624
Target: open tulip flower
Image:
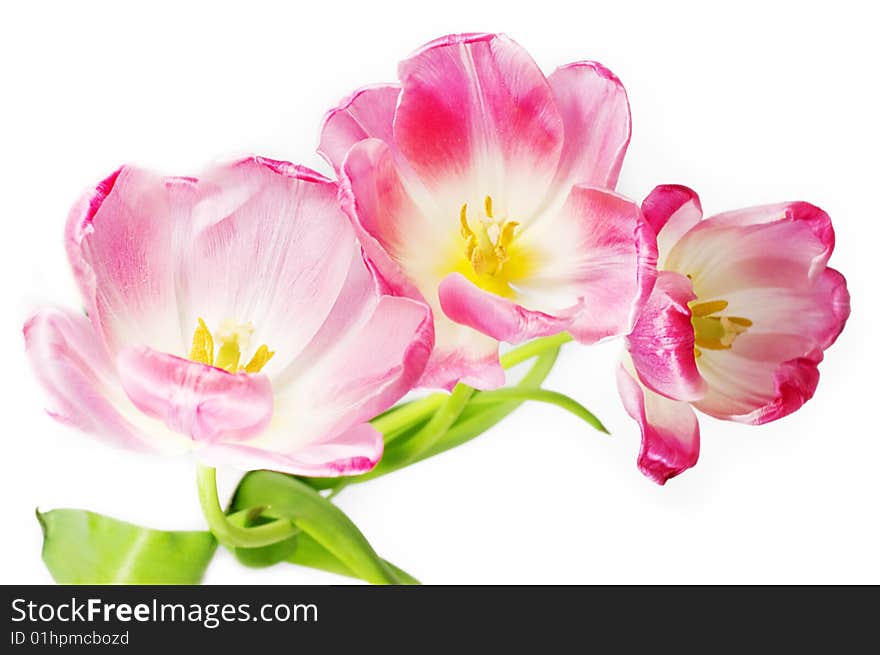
484 188
743 308
232 315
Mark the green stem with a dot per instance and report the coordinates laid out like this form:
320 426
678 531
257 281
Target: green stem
540 395
533 349
442 420
392 422
229 534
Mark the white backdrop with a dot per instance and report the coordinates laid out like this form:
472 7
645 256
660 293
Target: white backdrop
747 103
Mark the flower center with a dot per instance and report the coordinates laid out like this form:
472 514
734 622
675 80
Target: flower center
232 338
487 246
714 332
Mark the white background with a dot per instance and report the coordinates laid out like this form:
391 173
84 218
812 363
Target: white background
745 102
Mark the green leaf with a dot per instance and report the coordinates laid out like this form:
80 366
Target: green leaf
81 547
544 396
309 552
329 540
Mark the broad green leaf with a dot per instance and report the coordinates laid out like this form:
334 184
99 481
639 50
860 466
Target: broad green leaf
81 547
322 523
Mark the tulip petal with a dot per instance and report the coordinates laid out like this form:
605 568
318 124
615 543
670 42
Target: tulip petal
71 363
670 431
784 245
370 351
194 399
596 264
465 303
119 240
477 117
356 451
662 342
368 112
671 210
267 239
596 115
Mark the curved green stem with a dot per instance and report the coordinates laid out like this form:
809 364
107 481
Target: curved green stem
392 422
443 418
533 349
540 395
228 533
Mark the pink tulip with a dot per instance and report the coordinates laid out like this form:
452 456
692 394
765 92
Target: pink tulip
736 326
232 315
483 187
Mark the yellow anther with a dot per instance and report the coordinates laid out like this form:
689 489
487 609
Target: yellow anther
259 359
202 345
466 231
507 231
707 308
487 203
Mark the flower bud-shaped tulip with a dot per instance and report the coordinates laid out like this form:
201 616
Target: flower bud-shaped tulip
736 326
232 315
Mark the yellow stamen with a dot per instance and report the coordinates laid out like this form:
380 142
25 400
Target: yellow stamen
706 308
259 359
488 206
202 345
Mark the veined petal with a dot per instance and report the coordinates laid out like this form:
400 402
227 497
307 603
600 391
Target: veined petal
356 451
119 240
72 365
371 350
465 303
266 240
200 401
760 379
662 342
391 227
784 245
671 210
670 431
368 112
477 117
596 264
595 112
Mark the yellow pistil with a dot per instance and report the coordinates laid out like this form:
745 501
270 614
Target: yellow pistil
233 338
715 332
